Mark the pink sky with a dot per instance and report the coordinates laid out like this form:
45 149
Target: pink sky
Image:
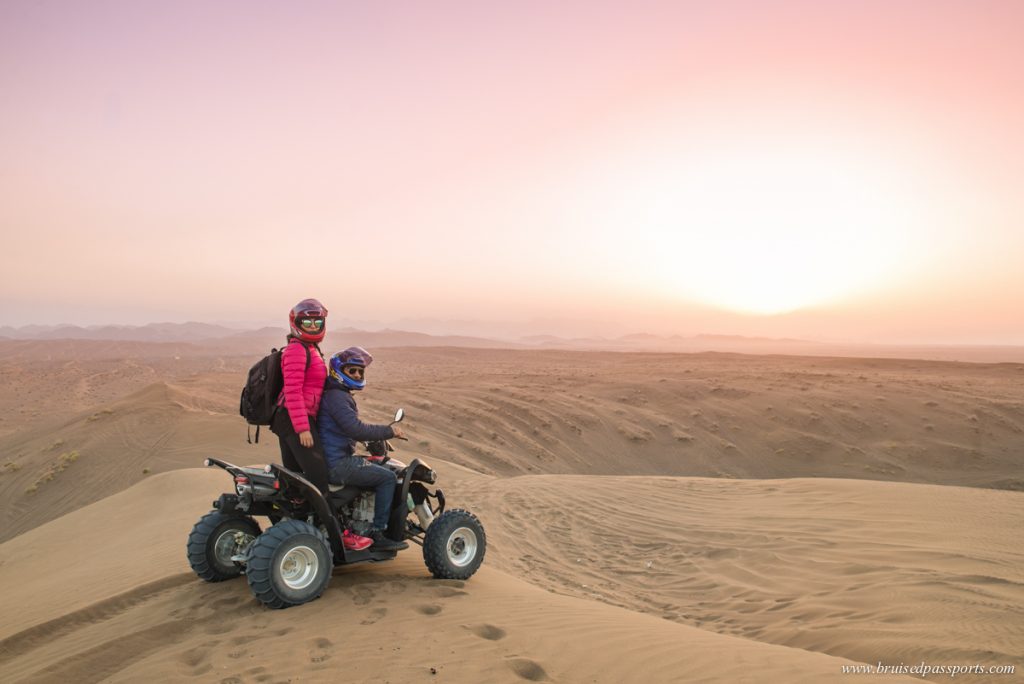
832 170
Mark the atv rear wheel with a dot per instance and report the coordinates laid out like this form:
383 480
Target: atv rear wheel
289 564
454 545
215 539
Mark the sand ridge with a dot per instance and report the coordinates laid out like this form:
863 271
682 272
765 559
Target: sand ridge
863 570
513 412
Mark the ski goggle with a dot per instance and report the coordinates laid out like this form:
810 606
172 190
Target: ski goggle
354 371
311 323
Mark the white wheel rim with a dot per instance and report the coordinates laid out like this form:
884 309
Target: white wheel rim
298 567
461 547
229 543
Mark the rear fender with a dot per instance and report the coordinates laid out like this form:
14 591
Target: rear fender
295 482
230 467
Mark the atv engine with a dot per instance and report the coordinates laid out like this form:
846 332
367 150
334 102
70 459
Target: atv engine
359 513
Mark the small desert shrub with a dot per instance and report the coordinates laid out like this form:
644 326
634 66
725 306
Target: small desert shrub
59 466
634 434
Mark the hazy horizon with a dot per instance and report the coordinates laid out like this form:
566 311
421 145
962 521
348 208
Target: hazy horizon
805 170
522 332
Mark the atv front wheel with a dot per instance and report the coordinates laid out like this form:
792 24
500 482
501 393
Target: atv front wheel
215 539
454 545
289 564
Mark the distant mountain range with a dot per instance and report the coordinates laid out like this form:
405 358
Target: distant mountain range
223 339
204 333
219 336
153 332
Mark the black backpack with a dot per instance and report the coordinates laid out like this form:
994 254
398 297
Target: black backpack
262 390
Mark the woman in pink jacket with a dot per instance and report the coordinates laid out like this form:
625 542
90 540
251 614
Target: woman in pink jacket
304 373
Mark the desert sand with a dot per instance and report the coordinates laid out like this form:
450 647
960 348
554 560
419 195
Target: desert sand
650 517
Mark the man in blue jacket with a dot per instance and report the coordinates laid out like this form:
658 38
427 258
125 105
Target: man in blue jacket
340 428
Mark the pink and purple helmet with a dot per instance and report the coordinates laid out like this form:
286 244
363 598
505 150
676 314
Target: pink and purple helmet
315 312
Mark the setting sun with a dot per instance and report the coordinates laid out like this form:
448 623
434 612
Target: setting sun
764 229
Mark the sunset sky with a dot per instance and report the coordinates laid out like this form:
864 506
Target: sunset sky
826 170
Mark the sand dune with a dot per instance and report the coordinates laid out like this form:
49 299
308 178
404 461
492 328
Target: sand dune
134 612
106 449
716 415
508 413
864 570
643 518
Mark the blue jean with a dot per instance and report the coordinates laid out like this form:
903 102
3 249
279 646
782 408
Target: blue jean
354 470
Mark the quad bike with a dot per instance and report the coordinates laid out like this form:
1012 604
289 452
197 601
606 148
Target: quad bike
291 562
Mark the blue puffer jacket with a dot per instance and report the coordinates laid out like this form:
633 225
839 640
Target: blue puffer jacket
340 427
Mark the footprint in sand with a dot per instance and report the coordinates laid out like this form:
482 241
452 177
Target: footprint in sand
198 658
374 615
240 653
489 632
193 657
321 651
225 603
259 673
432 609
528 669
362 595
219 627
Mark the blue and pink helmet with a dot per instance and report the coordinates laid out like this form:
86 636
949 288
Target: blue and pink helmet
353 356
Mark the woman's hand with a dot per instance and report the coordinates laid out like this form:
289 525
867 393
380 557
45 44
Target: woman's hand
399 434
306 439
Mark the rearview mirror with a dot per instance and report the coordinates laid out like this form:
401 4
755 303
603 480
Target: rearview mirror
399 415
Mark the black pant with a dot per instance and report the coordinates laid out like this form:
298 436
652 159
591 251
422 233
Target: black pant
307 460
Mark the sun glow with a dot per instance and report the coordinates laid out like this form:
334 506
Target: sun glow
763 231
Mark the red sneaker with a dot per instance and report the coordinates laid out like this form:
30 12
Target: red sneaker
353 542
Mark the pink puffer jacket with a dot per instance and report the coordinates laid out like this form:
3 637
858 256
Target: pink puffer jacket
303 386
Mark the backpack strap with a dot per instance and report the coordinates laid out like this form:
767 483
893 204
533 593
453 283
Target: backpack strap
309 356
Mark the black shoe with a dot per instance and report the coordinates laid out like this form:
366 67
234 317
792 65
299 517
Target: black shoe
382 543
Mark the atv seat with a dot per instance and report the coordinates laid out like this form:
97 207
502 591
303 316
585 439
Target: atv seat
342 495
